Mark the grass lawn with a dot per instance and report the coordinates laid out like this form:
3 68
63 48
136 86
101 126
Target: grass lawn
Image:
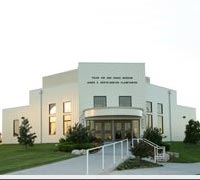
135 163
188 152
15 157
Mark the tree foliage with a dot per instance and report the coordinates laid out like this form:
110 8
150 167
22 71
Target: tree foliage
25 137
153 135
192 132
78 134
140 150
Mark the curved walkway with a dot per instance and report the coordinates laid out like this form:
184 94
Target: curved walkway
77 165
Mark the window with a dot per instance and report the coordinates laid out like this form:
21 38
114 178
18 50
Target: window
52 125
67 107
52 119
160 108
149 121
52 108
99 101
160 124
15 127
66 123
149 106
125 101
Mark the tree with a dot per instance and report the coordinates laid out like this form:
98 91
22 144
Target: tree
153 135
192 132
140 150
25 137
78 134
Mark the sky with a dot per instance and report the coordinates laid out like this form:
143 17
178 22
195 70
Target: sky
44 37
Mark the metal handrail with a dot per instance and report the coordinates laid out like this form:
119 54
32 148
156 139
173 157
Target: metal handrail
103 157
155 146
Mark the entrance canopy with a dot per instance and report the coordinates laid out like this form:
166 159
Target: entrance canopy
113 111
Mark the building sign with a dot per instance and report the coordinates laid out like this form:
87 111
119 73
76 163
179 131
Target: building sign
112 80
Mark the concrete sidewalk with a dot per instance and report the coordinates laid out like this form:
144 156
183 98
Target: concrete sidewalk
77 165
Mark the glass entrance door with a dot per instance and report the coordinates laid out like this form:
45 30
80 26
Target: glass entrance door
122 129
103 130
109 130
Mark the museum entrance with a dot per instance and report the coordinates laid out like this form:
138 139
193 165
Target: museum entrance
114 130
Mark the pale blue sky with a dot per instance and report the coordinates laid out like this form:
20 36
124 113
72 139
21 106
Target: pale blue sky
39 38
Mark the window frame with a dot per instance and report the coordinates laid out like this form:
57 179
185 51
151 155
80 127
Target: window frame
99 97
151 107
52 115
50 109
64 107
129 99
158 108
162 124
50 123
66 121
151 121
14 127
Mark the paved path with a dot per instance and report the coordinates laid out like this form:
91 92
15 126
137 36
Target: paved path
77 165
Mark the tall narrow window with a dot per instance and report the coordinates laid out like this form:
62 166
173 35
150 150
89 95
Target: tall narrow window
99 101
52 119
149 116
66 123
160 117
160 108
52 108
160 124
149 107
15 127
125 101
149 121
67 109
52 125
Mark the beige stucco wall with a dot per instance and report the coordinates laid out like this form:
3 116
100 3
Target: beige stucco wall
58 95
57 89
109 72
8 116
179 124
157 94
174 126
60 79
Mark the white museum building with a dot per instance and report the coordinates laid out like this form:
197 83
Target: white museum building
116 101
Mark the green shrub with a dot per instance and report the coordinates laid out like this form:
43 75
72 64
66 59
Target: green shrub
68 147
78 137
140 150
153 135
78 134
62 140
192 132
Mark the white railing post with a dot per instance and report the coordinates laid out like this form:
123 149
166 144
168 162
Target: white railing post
163 151
155 154
127 146
87 162
132 142
121 149
103 157
114 161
